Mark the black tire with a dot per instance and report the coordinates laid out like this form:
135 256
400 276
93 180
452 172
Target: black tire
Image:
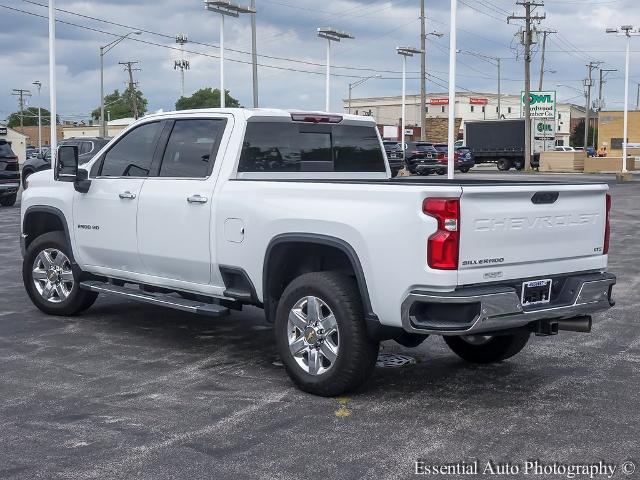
442 171
424 172
9 201
503 164
495 349
464 169
25 175
77 299
357 353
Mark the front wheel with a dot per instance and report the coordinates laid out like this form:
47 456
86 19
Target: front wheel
464 169
51 279
486 348
9 201
321 334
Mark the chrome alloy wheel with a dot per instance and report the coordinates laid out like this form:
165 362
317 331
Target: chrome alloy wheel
52 275
476 339
314 339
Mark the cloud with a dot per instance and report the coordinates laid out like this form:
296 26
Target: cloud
287 28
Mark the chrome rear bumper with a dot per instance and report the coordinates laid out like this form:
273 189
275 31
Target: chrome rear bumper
485 309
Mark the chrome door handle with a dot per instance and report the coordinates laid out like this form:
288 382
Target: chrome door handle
127 195
197 199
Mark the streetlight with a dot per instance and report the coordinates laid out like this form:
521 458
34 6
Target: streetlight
224 8
356 84
452 90
493 61
331 35
38 85
53 143
103 51
405 52
625 31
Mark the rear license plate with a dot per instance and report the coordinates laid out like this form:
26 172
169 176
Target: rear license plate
536 292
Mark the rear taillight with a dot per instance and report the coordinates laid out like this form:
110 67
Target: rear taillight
444 245
607 225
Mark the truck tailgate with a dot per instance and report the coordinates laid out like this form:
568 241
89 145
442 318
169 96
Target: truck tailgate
524 231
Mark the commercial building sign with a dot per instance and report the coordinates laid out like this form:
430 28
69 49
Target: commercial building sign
439 101
478 101
541 104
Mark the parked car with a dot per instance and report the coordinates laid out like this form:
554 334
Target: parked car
395 157
422 158
87 148
9 175
182 211
460 164
31 151
465 159
563 149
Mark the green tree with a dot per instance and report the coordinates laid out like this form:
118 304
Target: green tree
30 117
206 98
120 105
577 136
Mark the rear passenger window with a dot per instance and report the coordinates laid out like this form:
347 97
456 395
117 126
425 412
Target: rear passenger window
133 154
296 147
192 147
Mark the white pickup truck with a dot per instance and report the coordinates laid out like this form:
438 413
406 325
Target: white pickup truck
297 213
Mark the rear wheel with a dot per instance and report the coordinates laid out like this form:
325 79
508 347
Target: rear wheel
503 164
321 334
51 279
464 169
487 348
442 171
9 201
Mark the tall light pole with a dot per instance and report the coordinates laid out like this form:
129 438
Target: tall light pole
182 64
356 84
254 54
52 81
331 35
452 90
224 8
103 51
625 31
405 52
38 85
495 61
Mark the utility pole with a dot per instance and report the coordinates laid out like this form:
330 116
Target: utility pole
254 54
527 40
128 66
588 83
423 73
544 47
20 93
603 74
638 98
181 64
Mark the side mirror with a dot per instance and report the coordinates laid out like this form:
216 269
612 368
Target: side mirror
66 165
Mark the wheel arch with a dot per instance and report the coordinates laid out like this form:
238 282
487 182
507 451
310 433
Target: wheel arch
276 248
41 219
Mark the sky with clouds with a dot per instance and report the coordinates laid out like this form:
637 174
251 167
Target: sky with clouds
291 72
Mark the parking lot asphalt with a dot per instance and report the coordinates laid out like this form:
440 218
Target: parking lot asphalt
128 390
